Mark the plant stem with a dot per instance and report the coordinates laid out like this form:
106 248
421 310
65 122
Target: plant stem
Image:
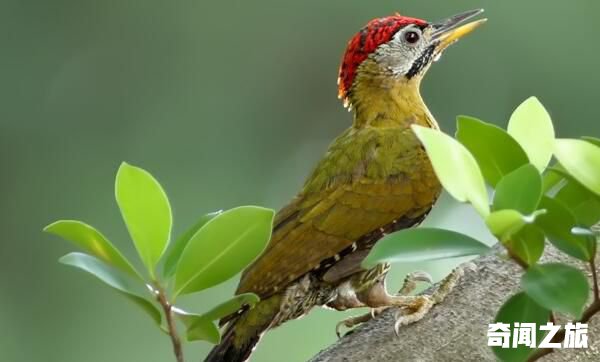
595 280
168 309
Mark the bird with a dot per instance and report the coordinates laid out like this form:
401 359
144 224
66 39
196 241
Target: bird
374 179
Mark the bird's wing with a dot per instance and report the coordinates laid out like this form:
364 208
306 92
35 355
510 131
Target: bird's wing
345 204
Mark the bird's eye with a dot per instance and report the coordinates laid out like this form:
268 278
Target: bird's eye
411 37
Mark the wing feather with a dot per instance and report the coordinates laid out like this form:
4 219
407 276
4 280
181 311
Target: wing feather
350 194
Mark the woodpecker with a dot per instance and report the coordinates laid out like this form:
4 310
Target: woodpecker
374 179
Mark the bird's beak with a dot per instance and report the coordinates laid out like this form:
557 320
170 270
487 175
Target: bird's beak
448 31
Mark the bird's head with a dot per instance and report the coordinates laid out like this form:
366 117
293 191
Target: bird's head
399 48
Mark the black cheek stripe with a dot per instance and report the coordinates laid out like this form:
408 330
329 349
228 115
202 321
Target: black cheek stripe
421 62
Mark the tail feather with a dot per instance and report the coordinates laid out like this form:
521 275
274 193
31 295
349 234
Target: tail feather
230 351
243 332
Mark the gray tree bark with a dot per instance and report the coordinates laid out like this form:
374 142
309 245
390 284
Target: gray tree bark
456 329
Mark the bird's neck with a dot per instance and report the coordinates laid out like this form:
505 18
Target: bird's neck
382 100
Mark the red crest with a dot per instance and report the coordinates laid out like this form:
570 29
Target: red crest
375 33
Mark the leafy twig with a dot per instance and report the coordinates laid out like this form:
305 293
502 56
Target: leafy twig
587 315
595 280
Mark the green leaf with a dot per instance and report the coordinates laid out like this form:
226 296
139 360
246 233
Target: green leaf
199 328
92 241
146 212
114 278
592 235
231 306
531 125
593 140
203 330
520 190
581 159
557 287
505 223
173 255
527 244
520 309
584 204
557 223
414 245
223 247
455 167
496 152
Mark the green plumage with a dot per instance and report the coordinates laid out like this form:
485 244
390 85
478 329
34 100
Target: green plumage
375 178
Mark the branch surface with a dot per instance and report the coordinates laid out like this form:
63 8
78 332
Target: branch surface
455 330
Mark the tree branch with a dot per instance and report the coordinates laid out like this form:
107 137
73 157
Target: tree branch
455 330
171 327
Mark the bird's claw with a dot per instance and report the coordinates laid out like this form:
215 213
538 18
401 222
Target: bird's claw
348 323
421 276
413 313
397 326
338 326
376 311
397 323
354 321
410 282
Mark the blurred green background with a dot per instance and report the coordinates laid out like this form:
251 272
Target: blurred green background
226 103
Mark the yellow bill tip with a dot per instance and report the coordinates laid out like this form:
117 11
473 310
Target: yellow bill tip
453 35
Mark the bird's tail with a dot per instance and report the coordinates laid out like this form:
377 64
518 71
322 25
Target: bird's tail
243 332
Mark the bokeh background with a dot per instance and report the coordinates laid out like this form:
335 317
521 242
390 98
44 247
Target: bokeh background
226 103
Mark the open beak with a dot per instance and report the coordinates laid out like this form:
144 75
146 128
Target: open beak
448 31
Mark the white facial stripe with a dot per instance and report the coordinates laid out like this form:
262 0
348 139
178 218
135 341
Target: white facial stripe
397 55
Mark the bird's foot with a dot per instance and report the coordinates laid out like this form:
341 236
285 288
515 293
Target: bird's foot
409 285
418 308
411 309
